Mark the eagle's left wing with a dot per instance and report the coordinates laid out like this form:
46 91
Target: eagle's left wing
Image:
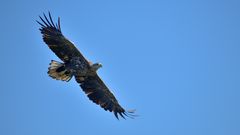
57 42
98 92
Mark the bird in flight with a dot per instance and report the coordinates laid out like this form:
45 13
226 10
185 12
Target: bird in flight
74 64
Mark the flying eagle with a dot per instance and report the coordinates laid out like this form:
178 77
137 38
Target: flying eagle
74 64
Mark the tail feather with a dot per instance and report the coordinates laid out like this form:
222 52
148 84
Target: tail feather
58 71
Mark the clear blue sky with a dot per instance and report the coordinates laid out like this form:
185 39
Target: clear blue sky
176 62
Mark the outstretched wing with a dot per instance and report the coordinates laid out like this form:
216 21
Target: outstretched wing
98 92
55 40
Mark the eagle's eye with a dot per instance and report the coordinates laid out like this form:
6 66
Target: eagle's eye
99 65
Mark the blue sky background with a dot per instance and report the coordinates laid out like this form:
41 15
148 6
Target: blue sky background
176 62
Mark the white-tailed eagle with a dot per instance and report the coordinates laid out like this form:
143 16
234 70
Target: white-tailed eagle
74 64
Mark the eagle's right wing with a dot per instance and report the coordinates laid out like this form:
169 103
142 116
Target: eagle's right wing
98 92
55 40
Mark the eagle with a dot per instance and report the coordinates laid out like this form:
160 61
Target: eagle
74 64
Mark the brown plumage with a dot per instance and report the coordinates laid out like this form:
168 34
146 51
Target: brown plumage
74 64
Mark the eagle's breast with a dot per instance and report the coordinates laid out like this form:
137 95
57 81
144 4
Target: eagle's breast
77 66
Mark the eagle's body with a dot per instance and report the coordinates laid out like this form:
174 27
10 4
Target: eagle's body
74 64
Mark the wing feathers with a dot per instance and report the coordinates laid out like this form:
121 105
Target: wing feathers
55 40
47 25
97 91
59 27
50 19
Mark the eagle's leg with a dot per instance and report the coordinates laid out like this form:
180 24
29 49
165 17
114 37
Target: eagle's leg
58 71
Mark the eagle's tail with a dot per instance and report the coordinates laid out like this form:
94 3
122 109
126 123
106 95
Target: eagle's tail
58 71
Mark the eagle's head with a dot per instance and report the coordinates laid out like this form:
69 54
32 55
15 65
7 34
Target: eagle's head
96 66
